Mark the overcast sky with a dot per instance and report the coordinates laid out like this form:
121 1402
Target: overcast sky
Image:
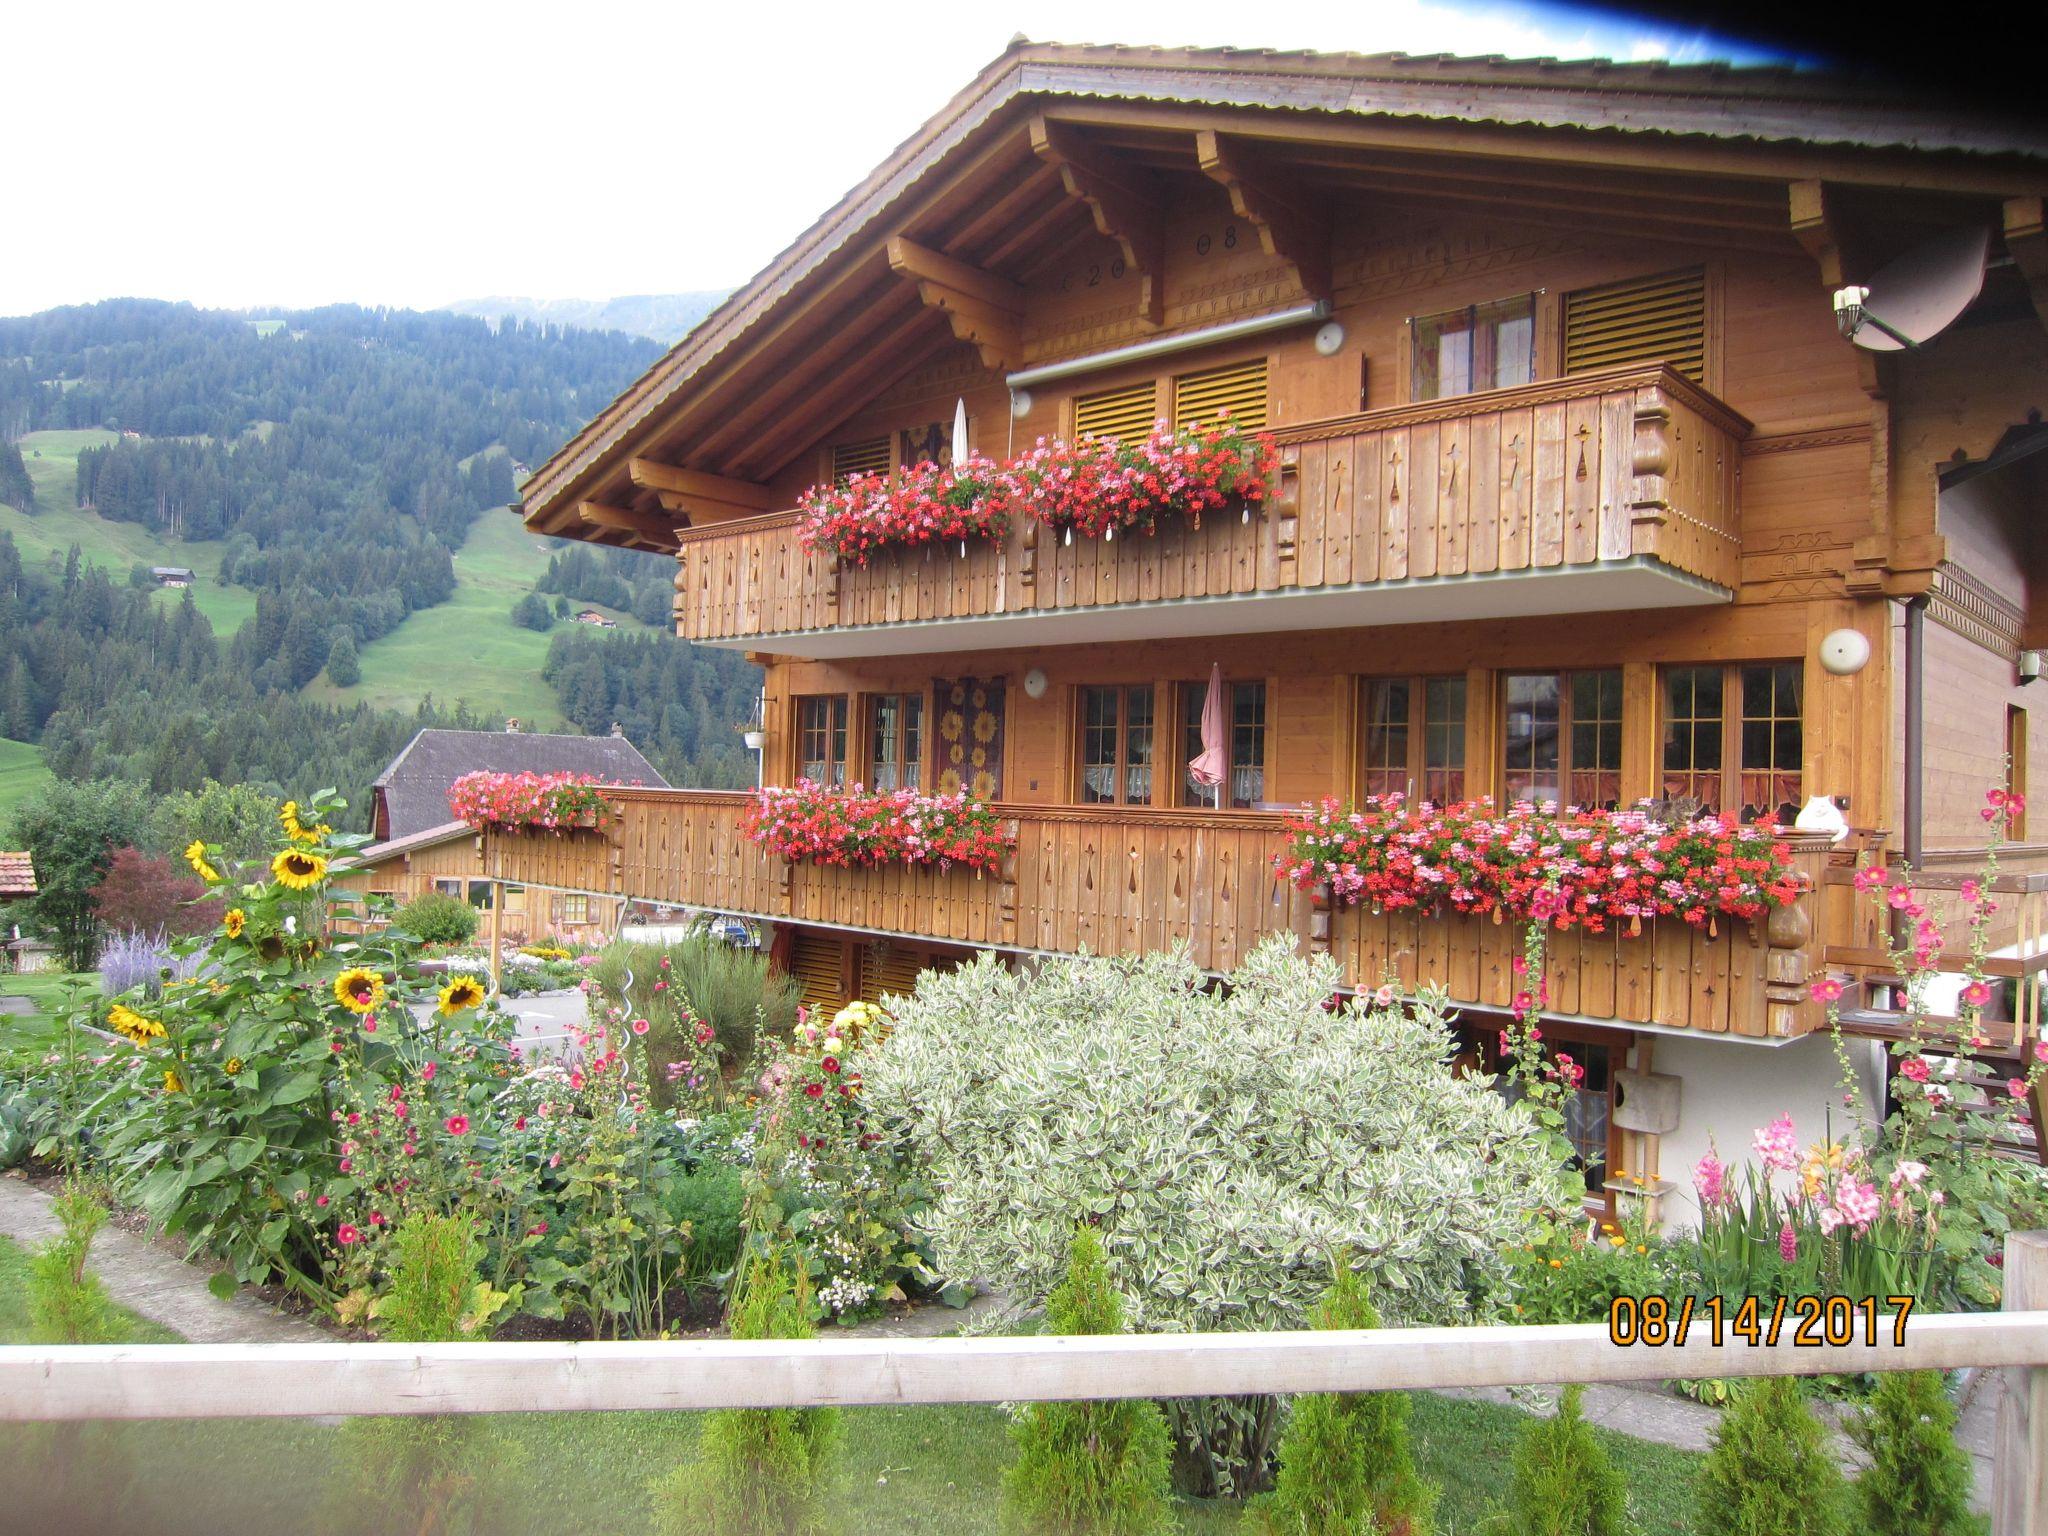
256 155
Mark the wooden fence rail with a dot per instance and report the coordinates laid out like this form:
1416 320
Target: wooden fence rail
202 1381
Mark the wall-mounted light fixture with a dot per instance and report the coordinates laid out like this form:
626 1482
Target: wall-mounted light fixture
1844 652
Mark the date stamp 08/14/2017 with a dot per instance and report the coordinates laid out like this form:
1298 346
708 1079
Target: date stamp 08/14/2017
1811 1322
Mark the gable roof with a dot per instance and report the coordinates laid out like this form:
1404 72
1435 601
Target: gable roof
17 875
1790 123
395 847
414 787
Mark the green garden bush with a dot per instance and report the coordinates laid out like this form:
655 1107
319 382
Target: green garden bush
1918 1483
1563 1482
1089 1469
434 917
1772 1471
66 1304
1345 1466
1225 1142
759 1471
711 1200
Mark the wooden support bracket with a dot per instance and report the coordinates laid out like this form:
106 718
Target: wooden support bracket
1292 222
1126 206
648 528
984 310
2026 241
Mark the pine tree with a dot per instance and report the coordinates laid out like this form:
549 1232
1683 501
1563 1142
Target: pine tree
1089 1469
1344 1460
1919 1479
1563 1482
1772 1471
344 667
759 1471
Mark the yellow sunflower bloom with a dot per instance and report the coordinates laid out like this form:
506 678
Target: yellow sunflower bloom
173 1083
234 1066
125 1021
461 993
195 855
298 870
358 989
234 921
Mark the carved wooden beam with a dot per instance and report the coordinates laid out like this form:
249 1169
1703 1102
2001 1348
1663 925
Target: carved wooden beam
652 475
1293 223
983 309
2026 241
645 527
1126 206
1815 227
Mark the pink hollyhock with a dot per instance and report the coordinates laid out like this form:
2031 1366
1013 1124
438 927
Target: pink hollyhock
1913 1069
814 1090
830 1063
639 1026
2017 1087
1871 877
427 1072
1826 990
1977 994
346 1234
456 1124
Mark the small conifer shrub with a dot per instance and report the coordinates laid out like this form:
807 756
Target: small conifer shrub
1771 1471
759 1471
1344 1460
1563 1483
66 1304
1089 1469
1919 1479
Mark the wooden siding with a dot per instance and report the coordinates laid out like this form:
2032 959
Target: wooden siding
1634 462
1117 880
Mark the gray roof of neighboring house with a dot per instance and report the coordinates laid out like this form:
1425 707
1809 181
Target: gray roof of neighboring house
415 786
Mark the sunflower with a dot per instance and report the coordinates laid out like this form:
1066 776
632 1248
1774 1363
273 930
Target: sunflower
173 1083
234 1066
195 855
463 992
124 1020
359 989
298 870
234 921
297 830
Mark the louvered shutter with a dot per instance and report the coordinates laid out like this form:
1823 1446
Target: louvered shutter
815 961
1660 319
891 969
1127 413
1239 388
869 456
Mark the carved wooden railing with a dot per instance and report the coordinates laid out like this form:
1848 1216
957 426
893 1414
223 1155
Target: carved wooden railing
1599 467
1115 879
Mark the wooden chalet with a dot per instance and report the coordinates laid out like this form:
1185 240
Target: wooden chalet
1583 486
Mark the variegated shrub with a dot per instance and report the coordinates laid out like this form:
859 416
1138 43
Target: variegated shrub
1228 1144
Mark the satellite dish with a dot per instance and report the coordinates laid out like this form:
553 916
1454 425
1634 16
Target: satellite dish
1922 293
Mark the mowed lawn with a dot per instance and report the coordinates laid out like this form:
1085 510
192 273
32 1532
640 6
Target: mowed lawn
58 523
21 774
468 649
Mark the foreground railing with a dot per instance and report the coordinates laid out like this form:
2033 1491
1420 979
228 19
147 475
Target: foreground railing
306 1380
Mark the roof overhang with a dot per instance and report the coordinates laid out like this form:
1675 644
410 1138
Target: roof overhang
1614 586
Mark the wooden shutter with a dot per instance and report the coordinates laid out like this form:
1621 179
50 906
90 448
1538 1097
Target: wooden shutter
869 456
1660 319
1239 388
889 968
816 960
1125 413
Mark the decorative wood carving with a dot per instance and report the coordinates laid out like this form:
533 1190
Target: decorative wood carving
983 309
1126 205
1293 223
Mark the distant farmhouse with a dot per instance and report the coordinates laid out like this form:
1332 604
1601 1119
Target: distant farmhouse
17 882
595 619
175 577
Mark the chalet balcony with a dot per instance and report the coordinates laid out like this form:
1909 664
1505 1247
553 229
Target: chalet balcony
1603 491
1117 879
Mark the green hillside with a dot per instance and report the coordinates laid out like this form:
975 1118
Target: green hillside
468 649
21 772
52 461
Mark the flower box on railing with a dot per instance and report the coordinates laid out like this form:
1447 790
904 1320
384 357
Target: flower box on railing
557 803
1564 869
807 823
1093 487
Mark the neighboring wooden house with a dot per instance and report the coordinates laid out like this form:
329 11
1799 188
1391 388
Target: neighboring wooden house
17 876
1584 495
411 795
173 577
17 883
595 619
448 859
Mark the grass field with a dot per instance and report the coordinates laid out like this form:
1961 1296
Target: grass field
21 773
468 648
52 460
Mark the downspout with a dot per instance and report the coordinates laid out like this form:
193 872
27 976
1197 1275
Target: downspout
1915 830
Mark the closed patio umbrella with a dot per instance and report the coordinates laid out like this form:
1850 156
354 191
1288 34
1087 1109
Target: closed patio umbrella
1213 765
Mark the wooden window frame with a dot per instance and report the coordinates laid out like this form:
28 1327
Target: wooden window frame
1183 722
2016 771
870 704
1419 768
1124 693
842 726
1734 715
1411 352
1483 1051
1566 768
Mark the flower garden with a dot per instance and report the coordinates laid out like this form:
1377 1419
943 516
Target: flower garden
1101 1144
1093 487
